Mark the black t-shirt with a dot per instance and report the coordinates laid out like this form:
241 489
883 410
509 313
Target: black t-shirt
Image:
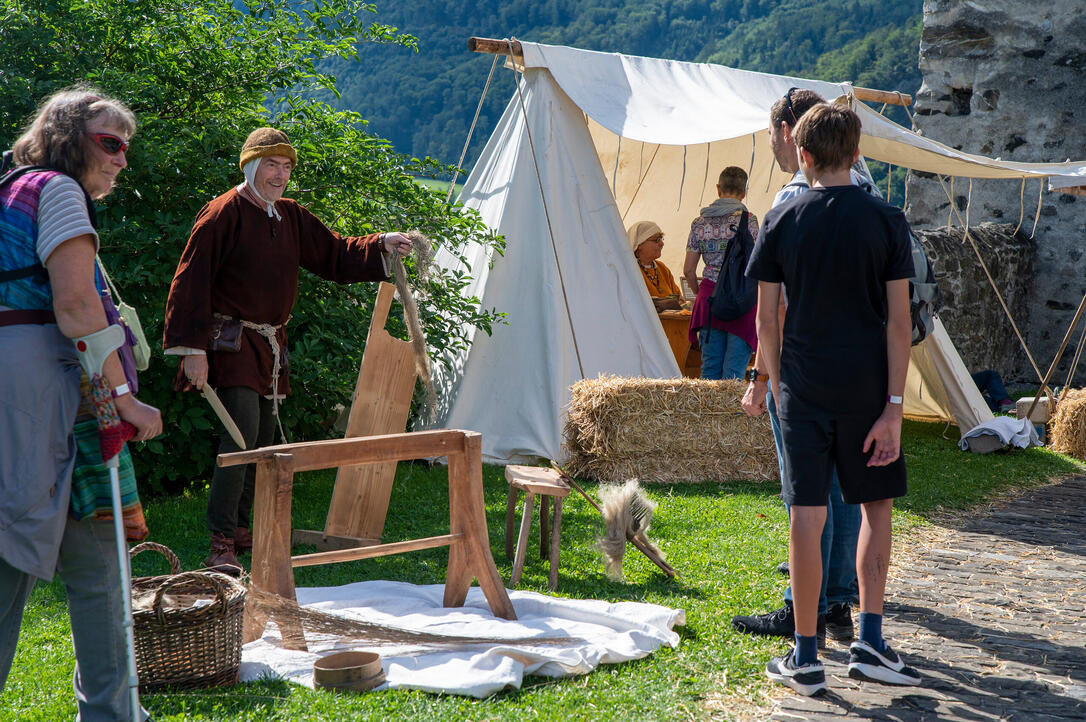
834 249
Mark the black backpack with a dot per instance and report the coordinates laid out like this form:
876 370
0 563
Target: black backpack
735 294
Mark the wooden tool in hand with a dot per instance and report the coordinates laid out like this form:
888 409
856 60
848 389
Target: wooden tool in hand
637 543
224 416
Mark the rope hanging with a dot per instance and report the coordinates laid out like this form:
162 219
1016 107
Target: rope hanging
640 181
467 141
753 142
1037 215
999 296
682 181
953 208
889 179
546 213
614 171
1021 206
705 181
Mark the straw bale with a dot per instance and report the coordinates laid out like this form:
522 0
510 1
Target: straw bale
666 431
1068 425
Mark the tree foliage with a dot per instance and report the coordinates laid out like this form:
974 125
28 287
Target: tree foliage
869 42
200 75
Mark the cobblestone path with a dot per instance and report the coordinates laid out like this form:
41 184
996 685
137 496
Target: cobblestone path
993 615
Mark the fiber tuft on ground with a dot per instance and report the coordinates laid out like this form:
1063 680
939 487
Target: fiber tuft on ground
666 431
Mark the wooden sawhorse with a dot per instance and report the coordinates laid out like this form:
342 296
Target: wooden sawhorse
468 541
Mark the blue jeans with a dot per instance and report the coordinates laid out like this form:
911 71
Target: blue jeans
990 385
723 355
92 579
839 535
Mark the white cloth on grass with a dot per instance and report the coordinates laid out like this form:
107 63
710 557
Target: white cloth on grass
604 632
1019 433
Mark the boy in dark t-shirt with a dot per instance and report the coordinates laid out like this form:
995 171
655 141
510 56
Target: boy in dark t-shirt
838 375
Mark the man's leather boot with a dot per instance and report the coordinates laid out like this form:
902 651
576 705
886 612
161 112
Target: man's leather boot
243 540
222 558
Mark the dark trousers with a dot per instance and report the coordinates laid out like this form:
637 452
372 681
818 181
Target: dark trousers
230 503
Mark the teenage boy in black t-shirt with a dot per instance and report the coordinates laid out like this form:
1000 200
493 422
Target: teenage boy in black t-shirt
838 374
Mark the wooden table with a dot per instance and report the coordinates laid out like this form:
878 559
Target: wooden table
676 327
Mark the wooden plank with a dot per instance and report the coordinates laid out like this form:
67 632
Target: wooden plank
328 542
378 550
467 514
502 47
536 479
310 455
381 405
271 570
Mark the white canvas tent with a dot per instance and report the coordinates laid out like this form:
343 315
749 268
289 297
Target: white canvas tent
591 143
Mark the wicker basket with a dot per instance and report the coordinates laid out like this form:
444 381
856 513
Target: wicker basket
192 647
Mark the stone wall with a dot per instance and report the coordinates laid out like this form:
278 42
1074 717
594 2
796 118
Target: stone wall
971 311
1006 78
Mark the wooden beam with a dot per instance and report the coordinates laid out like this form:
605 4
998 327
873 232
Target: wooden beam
502 47
311 455
379 550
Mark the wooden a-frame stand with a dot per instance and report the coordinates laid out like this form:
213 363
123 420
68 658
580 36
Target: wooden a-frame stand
468 541
380 405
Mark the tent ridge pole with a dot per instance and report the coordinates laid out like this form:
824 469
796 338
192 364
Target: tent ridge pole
514 49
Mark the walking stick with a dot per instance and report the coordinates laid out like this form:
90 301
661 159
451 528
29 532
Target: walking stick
113 431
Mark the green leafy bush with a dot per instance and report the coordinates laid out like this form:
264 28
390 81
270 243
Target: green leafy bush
200 75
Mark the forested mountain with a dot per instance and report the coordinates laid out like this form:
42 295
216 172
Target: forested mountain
424 101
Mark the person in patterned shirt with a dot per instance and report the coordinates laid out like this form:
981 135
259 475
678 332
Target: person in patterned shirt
726 346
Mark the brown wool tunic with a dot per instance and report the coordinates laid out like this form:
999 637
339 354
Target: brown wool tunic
243 264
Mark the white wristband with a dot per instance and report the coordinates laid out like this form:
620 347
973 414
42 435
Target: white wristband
895 399
121 390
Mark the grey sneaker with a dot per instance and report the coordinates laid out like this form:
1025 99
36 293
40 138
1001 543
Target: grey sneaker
808 680
784 569
839 622
884 667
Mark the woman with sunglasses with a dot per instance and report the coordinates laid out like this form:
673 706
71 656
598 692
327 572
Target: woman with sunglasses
71 152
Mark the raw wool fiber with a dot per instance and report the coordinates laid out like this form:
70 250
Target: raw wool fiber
666 431
328 625
424 254
626 512
1068 425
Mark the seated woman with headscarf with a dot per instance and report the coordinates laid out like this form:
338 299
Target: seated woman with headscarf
647 242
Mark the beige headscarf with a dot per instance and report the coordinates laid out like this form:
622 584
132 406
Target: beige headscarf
640 232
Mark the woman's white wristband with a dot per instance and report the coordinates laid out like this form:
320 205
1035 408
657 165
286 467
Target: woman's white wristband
121 390
895 399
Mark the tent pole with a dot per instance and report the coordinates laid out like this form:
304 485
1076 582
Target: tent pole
513 49
1059 354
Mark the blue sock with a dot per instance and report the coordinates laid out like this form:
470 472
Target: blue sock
871 630
806 650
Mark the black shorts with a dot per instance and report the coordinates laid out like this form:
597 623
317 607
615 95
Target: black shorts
813 448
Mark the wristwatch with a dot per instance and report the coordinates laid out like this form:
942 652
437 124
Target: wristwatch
754 375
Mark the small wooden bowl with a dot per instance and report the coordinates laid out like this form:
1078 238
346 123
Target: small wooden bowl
348 672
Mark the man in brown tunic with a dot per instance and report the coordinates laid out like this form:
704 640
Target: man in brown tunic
229 304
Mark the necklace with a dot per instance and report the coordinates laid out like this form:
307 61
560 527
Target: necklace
653 274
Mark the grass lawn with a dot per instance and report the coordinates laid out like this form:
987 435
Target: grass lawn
725 539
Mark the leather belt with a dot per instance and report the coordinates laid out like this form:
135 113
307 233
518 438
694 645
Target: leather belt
18 316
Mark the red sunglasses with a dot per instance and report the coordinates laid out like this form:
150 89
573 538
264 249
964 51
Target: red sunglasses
109 143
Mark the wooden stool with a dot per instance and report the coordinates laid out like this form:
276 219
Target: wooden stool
546 483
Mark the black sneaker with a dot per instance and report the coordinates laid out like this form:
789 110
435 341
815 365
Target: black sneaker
884 667
839 622
780 623
808 680
784 569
